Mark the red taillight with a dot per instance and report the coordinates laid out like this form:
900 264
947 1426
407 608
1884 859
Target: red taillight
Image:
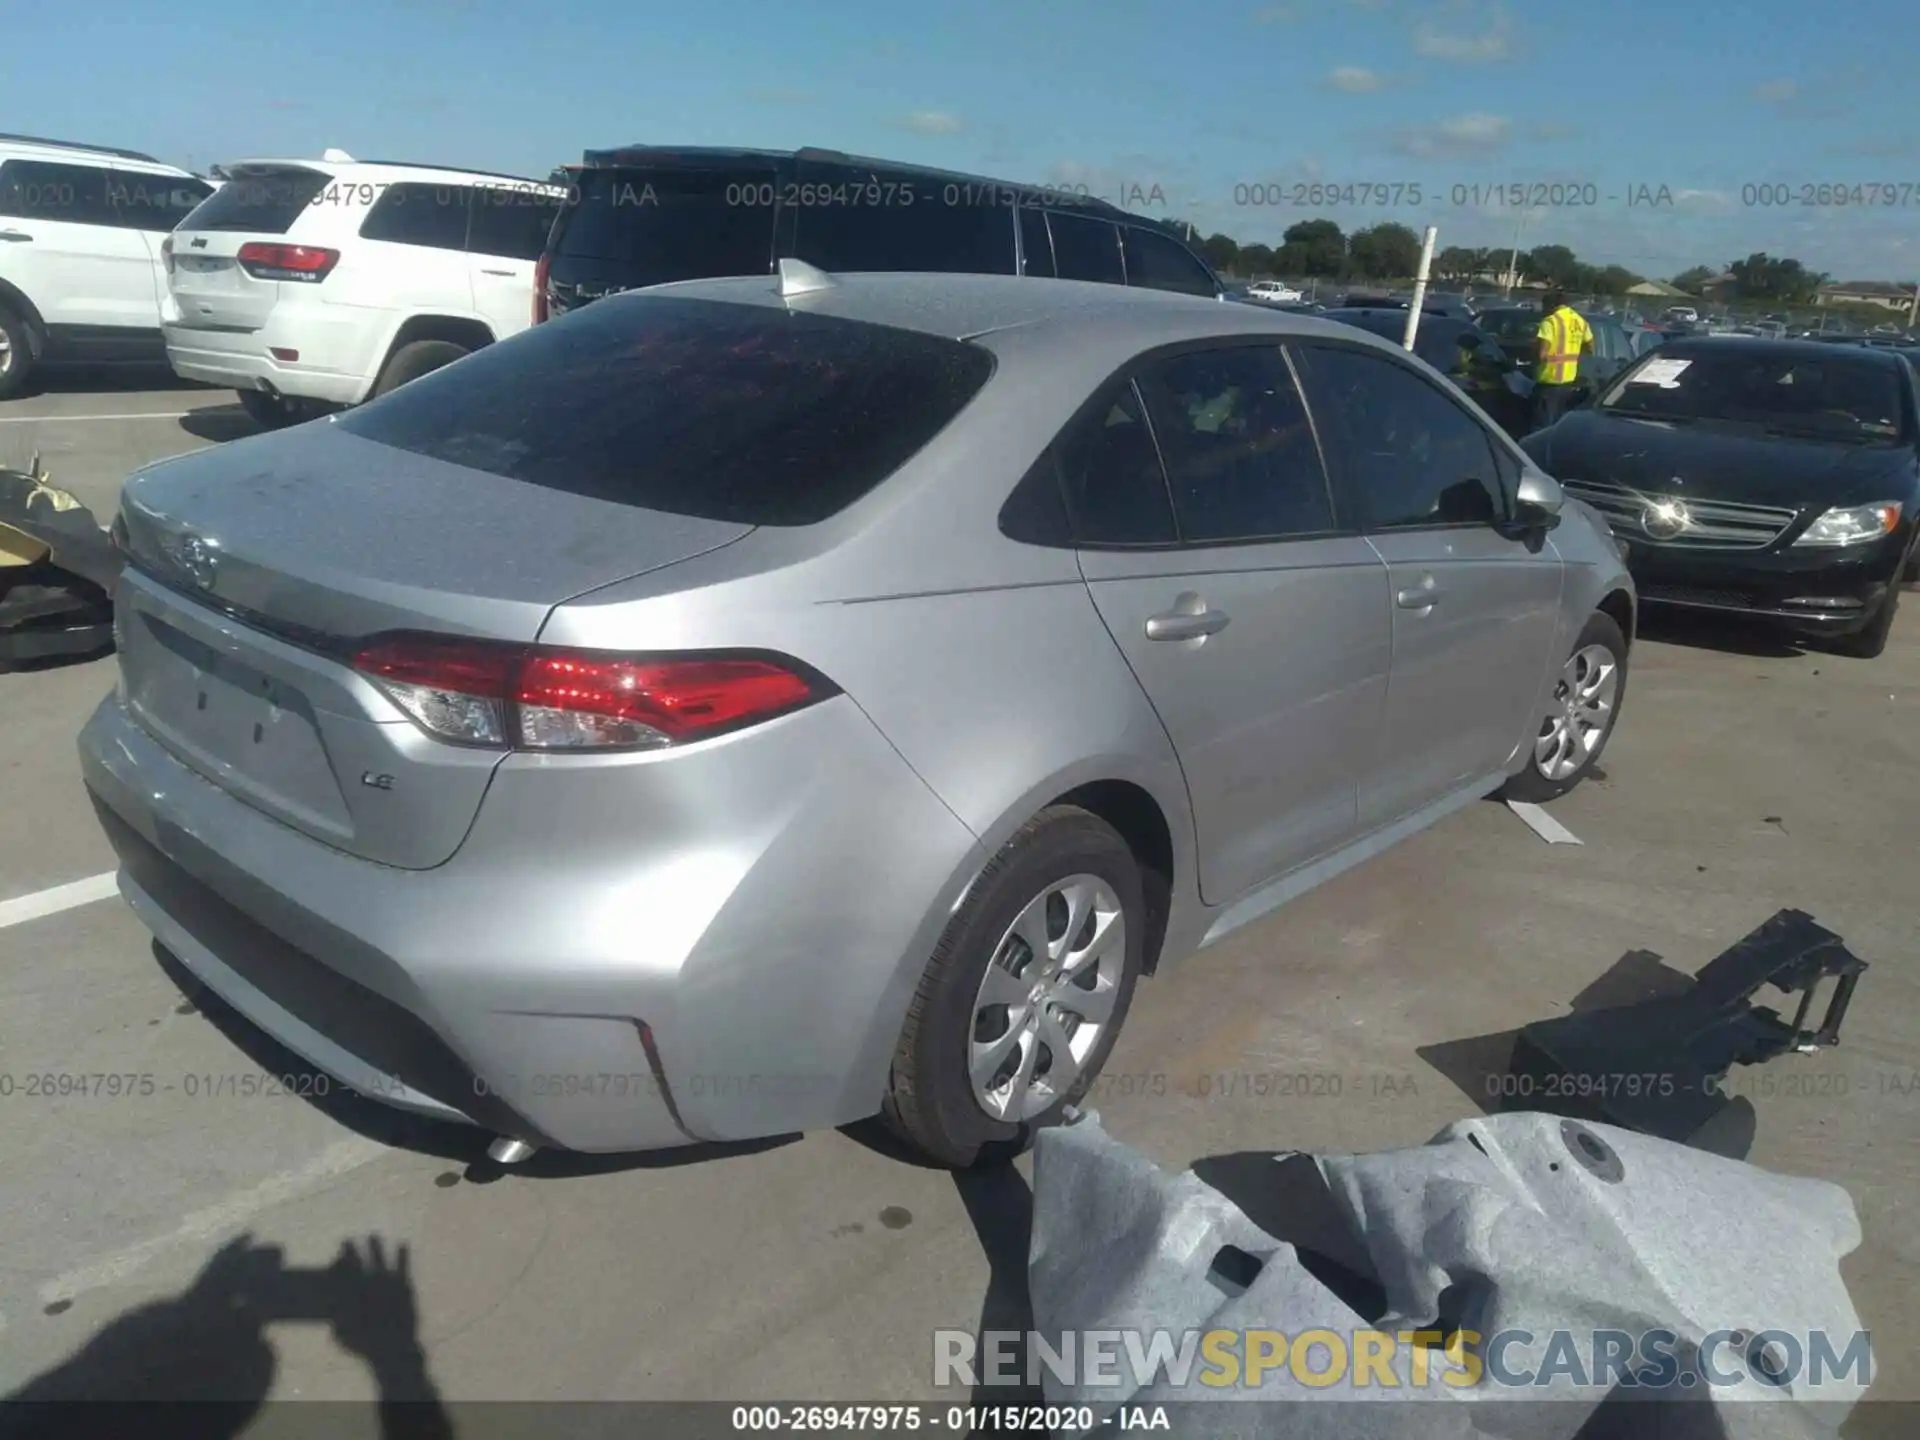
512 697
307 263
540 273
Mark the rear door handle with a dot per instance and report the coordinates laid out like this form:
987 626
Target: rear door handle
1423 596
15 235
509 274
1194 623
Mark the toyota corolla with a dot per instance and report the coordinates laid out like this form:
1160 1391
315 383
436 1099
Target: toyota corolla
745 706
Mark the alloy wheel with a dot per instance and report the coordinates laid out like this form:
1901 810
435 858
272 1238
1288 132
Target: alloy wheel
1045 1001
1579 713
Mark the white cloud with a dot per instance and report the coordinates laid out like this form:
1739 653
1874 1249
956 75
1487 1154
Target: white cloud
1476 134
1703 202
932 122
1356 80
1484 45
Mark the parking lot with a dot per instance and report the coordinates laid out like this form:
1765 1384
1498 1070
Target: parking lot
1746 776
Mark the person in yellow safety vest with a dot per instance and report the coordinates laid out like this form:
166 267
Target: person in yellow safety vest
1564 337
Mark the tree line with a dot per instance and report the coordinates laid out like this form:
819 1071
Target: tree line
1319 249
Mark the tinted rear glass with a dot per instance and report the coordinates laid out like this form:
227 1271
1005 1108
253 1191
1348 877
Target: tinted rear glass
262 202
850 221
658 226
1821 394
741 413
1509 324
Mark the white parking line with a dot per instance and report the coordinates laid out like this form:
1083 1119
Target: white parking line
60 897
68 419
219 1220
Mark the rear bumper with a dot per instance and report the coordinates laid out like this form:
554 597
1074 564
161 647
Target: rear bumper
566 978
1813 592
335 350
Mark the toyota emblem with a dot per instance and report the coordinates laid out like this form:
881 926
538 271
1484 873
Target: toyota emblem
1664 519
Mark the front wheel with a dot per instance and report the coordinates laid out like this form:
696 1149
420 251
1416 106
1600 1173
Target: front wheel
16 354
1024 994
1580 717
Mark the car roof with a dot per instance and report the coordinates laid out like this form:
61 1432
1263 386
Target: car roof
965 307
642 156
390 171
32 147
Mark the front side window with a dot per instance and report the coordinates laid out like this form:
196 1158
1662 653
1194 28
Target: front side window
1240 452
1410 456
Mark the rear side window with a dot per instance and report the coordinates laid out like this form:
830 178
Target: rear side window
1159 262
1110 475
882 221
1241 457
511 221
1086 249
741 413
434 216
260 201
154 202
72 194
658 226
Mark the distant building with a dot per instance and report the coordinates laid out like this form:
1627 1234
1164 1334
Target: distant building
1866 292
1658 288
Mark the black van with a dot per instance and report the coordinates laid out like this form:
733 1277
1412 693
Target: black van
648 215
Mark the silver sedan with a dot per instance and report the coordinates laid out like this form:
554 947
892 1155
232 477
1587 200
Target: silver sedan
747 705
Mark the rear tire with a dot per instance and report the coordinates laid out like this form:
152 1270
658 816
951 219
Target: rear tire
410 362
1559 758
1871 643
1061 858
16 354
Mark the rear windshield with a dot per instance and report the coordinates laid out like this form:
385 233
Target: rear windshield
262 201
658 226
1509 324
1823 395
743 413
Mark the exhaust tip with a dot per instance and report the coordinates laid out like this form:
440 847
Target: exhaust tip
508 1151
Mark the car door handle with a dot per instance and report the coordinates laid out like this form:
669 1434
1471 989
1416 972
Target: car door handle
1419 597
16 235
1186 624
509 274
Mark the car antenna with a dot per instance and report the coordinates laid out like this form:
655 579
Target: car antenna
799 278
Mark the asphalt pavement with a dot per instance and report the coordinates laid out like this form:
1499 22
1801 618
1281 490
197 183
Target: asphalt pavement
1746 776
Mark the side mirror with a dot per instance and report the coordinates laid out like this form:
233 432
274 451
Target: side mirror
1538 499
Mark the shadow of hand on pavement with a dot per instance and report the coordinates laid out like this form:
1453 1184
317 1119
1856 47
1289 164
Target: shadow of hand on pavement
207 1349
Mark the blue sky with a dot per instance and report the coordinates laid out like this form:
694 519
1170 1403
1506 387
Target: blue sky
1184 107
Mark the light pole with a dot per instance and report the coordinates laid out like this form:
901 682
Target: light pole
1513 260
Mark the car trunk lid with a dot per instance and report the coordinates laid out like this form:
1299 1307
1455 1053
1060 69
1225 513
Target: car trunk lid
256 570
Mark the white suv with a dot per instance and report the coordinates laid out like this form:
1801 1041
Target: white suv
81 276
308 284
